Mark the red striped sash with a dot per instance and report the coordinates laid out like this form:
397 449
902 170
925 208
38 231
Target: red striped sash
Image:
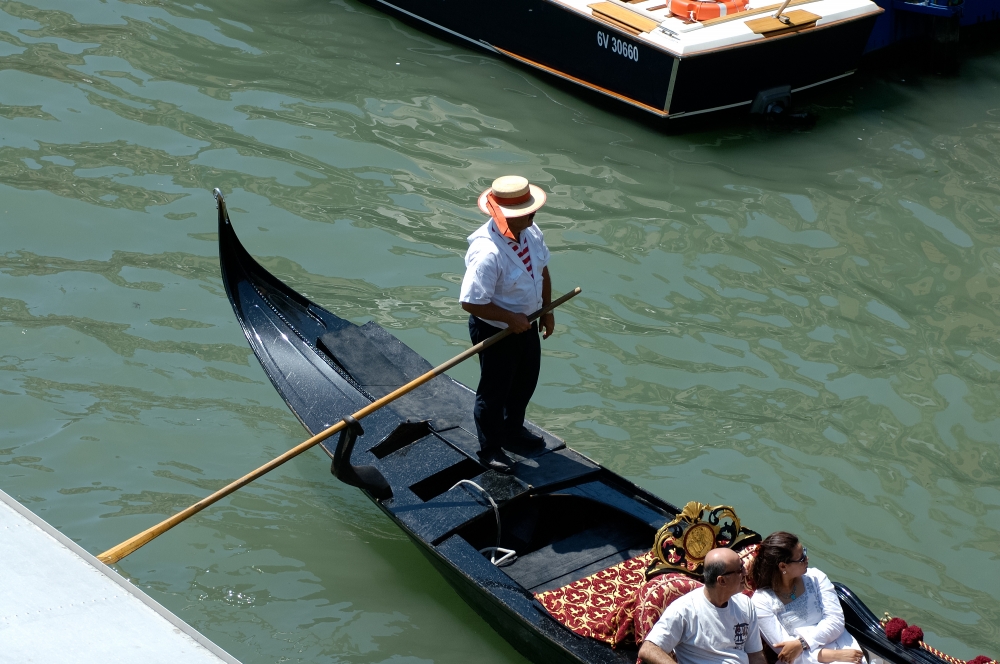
523 254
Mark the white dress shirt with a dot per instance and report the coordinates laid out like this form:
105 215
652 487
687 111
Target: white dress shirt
494 273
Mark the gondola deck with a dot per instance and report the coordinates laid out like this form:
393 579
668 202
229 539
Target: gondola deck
564 515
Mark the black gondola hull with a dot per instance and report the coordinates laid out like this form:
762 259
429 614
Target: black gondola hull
422 446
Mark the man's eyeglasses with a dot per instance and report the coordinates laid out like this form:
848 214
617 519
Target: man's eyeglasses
740 571
804 558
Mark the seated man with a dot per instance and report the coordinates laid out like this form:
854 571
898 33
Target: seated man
713 625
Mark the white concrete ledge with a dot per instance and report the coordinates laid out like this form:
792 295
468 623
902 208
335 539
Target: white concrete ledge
60 604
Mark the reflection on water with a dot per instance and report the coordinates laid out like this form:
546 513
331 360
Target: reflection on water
802 324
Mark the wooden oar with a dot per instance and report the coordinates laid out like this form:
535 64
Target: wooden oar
116 553
777 14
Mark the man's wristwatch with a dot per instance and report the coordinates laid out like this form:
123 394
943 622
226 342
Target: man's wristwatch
805 646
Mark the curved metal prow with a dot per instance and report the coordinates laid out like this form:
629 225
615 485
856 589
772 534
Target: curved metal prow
221 201
364 477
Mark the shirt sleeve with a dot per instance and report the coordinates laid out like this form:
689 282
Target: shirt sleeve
831 626
668 630
481 274
770 628
753 637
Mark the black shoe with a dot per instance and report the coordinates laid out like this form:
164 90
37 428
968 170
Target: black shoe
496 460
525 439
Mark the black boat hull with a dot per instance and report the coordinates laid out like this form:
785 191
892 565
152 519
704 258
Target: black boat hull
579 48
524 637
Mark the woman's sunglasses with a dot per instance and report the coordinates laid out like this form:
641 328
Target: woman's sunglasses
804 558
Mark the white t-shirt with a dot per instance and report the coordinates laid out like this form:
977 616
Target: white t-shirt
495 273
701 633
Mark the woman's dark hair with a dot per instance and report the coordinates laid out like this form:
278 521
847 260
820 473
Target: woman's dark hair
775 549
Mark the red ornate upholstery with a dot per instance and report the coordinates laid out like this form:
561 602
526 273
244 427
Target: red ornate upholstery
617 603
655 596
600 606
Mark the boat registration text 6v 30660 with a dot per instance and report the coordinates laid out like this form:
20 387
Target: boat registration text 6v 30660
618 46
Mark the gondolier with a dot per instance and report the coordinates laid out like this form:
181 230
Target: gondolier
506 278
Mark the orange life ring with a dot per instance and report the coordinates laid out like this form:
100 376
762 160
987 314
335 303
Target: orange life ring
702 10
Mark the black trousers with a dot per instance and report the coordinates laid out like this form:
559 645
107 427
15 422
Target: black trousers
509 376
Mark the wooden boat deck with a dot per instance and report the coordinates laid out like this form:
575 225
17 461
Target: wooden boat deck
684 38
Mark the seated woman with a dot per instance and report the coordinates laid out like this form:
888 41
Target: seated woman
797 607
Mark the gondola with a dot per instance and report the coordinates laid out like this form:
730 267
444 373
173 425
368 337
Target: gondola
670 58
499 540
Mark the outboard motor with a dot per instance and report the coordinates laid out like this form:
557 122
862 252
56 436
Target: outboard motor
772 101
364 477
774 105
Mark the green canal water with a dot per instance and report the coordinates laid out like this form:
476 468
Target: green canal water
799 322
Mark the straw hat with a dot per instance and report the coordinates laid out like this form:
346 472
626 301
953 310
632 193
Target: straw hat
514 196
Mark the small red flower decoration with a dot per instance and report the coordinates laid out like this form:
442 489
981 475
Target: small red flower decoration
911 636
894 628
981 659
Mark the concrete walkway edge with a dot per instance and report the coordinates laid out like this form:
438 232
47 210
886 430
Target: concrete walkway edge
117 578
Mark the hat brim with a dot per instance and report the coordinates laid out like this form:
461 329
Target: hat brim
536 201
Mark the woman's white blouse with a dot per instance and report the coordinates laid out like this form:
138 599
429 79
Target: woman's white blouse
815 615
494 273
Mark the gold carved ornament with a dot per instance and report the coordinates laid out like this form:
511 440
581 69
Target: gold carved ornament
682 544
